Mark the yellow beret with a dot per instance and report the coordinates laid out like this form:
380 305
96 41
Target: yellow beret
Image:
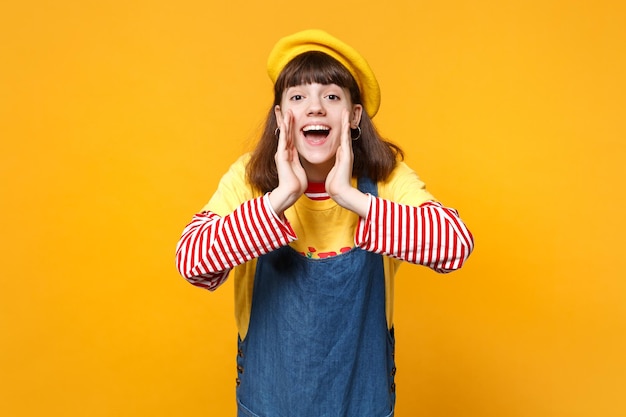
291 46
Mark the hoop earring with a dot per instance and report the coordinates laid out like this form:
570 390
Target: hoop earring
352 132
277 132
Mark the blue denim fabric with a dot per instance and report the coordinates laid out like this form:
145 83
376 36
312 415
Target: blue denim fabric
318 343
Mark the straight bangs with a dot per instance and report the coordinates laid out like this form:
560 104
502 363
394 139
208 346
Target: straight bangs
315 67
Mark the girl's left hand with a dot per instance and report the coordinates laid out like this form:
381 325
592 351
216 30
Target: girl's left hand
339 179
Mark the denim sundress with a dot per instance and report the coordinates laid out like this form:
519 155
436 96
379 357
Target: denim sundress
318 343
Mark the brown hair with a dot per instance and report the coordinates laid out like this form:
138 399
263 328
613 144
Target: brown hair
374 157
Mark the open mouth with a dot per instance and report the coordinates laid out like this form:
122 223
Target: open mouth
316 132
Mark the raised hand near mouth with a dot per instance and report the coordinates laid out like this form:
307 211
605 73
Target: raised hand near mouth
339 180
292 179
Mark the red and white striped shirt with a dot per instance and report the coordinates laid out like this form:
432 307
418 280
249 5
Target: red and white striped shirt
212 245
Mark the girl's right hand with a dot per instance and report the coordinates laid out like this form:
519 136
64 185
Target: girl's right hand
292 180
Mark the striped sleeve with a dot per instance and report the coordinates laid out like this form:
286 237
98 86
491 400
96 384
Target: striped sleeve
211 245
430 235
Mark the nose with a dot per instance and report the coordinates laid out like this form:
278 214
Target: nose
316 107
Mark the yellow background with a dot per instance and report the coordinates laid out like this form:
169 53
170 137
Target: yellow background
117 119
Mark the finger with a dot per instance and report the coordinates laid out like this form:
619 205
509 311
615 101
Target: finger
291 140
281 133
345 127
346 138
288 128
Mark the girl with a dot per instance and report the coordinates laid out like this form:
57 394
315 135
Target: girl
314 224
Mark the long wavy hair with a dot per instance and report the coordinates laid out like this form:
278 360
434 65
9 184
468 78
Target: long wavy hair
374 157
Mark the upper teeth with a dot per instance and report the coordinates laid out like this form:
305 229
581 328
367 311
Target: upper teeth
314 127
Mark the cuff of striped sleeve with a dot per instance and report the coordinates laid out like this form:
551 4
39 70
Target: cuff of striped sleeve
364 227
281 224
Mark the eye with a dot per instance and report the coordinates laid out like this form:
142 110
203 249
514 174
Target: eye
296 97
333 97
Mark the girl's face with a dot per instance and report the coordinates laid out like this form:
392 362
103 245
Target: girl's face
317 111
